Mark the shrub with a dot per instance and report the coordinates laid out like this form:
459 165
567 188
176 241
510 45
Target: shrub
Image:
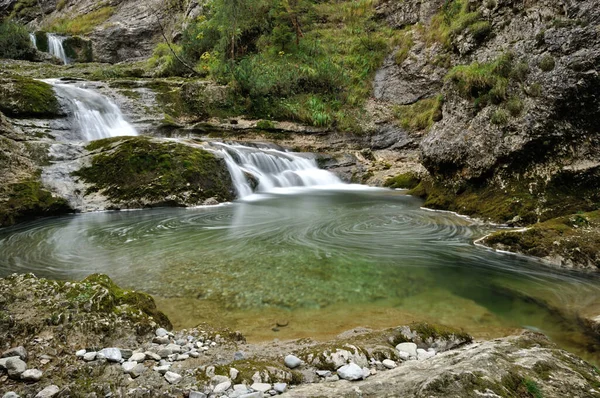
499 117
14 41
535 90
547 63
265 125
514 106
164 63
453 19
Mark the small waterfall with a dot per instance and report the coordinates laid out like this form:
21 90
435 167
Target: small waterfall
33 40
272 169
95 115
55 47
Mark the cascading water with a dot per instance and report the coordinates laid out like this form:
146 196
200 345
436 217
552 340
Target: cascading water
272 168
94 115
56 48
33 40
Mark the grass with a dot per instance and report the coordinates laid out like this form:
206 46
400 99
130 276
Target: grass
421 115
405 44
14 41
547 63
454 18
403 181
82 24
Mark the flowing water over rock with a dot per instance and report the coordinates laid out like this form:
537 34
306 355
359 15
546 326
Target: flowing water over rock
56 48
33 40
322 260
94 116
271 168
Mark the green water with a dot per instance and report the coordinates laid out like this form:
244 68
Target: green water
323 260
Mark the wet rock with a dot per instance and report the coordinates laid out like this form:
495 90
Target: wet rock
111 354
409 348
292 361
20 352
48 392
210 202
350 372
32 375
15 367
172 377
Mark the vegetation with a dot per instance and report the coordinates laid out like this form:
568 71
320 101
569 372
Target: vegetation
406 180
421 115
547 63
27 199
82 24
405 44
140 170
14 41
25 97
454 18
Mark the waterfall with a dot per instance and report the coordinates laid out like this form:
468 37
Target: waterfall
55 47
272 169
33 40
94 115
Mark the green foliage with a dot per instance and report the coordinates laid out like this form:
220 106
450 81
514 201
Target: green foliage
26 9
139 169
14 41
454 18
61 4
483 82
265 125
499 117
514 106
405 44
82 24
535 90
164 63
547 63
420 115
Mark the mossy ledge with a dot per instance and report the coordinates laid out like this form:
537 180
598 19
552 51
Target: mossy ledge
144 172
25 97
570 241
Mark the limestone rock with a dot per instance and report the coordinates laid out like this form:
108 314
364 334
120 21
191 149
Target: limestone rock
350 372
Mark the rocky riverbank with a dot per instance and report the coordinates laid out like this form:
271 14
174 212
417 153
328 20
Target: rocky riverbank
92 338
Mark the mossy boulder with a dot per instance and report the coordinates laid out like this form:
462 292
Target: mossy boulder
145 172
24 97
403 181
78 49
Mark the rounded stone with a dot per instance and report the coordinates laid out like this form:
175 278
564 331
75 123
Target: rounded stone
15 367
31 375
350 372
292 361
388 363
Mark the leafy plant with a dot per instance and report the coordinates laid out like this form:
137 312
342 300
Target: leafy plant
14 41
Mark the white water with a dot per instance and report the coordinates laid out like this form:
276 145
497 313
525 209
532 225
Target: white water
94 115
33 40
55 47
272 168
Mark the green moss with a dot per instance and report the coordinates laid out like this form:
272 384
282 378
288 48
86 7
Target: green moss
275 372
265 125
547 63
421 115
406 180
25 97
81 24
454 18
27 200
128 170
78 49
514 105
499 117
428 333
405 44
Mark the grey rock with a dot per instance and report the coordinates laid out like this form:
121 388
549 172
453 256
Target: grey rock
239 355
20 352
137 371
422 354
172 377
48 392
162 369
261 387
128 366
31 375
222 387
366 372
323 373
194 354
410 348
138 357
126 353
388 363
161 340
333 378
280 387
111 354
233 373
182 357
161 332
80 353
11 394
252 395
350 372
15 367
218 379
241 388
210 371
3 362
210 202
174 348
152 356
292 361
89 356
197 394
164 352
403 355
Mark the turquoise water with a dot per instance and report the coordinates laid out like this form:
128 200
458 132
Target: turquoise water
325 260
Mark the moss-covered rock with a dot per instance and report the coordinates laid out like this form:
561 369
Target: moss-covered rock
139 172
567 241
78 49
405 180
25 97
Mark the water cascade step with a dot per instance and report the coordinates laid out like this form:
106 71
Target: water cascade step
272 168
94 115
33 40
56 48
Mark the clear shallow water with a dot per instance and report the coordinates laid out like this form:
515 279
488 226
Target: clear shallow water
323 260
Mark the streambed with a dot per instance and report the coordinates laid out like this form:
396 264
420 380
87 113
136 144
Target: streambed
321 260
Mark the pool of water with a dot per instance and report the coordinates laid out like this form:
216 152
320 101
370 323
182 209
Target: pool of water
319 260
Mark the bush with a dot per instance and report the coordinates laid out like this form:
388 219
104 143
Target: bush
14 41
515 106
164 62
265 125
547 63
499 117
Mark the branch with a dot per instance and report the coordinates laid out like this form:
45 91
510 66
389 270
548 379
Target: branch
162 32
